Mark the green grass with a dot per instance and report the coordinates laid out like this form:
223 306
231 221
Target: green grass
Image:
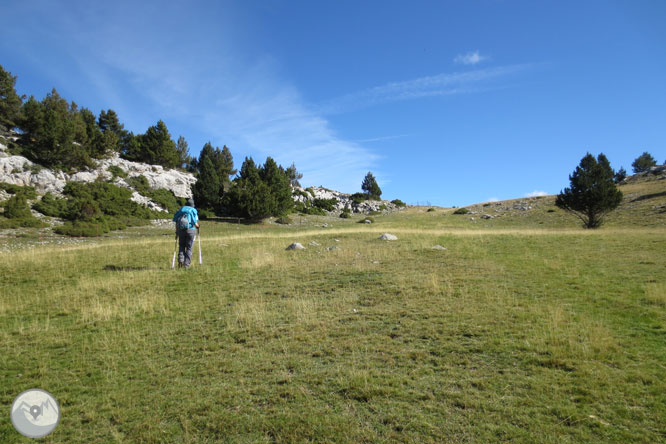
519 331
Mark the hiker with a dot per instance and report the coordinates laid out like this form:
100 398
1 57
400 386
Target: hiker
187 221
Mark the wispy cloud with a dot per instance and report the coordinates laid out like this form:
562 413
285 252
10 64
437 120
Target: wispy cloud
492 199
438 85
203 80
471 58
536 194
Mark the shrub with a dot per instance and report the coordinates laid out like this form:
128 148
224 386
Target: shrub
17 207
166 199
51 206
398 203
430 210
311 191
139 183
325 204
28 192
358 198
205 214
362 221
550 210
461 211
284 220
116 171
84 229
346 214
315 211
31 222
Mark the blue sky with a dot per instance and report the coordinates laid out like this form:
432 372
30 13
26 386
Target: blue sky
446 102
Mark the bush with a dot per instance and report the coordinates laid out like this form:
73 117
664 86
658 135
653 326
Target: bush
51 206
30 222
315 211
116 171
461 211
358 198
550 210
166 199
110 199
325 204
311 191
430 210
84 229
205 214
284 220
398 203
139 183
362 221
28 192
17 207
346 214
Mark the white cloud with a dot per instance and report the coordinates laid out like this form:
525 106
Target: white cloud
437 85
471 58
492 199
536 194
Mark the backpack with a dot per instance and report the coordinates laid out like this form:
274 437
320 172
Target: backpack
183 223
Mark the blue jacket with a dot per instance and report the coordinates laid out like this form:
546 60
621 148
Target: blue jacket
192 216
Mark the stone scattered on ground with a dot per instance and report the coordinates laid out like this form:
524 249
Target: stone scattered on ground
367 221
486 216
295 246
388 236
333 248
314 244
438 247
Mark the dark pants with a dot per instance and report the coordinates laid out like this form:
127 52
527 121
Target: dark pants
185 242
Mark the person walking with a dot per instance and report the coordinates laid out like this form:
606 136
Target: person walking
187 223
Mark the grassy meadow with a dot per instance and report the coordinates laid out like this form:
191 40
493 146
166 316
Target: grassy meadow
526 328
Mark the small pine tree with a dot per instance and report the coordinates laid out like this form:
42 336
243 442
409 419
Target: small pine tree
10 102
643 163
592 193
620 175
293 175
206 190
370 187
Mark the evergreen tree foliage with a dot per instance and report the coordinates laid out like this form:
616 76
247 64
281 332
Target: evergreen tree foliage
154 147
293 175
206 190
592 193
259 192
370 187
51 128
620 175
10 101
17 207
184 158
643 163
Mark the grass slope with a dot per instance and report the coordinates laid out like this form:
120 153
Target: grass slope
525 329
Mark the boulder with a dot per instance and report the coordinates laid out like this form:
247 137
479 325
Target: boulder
295 246
388 236
438 247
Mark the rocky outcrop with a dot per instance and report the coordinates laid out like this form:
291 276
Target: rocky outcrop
18 170
344 200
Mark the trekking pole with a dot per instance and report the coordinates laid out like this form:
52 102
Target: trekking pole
173 261
199 236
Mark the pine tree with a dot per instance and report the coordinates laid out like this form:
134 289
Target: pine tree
643 163
184 157
294 176
155 147
276 179
206 190
370 187
620 175
592 193
10 102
